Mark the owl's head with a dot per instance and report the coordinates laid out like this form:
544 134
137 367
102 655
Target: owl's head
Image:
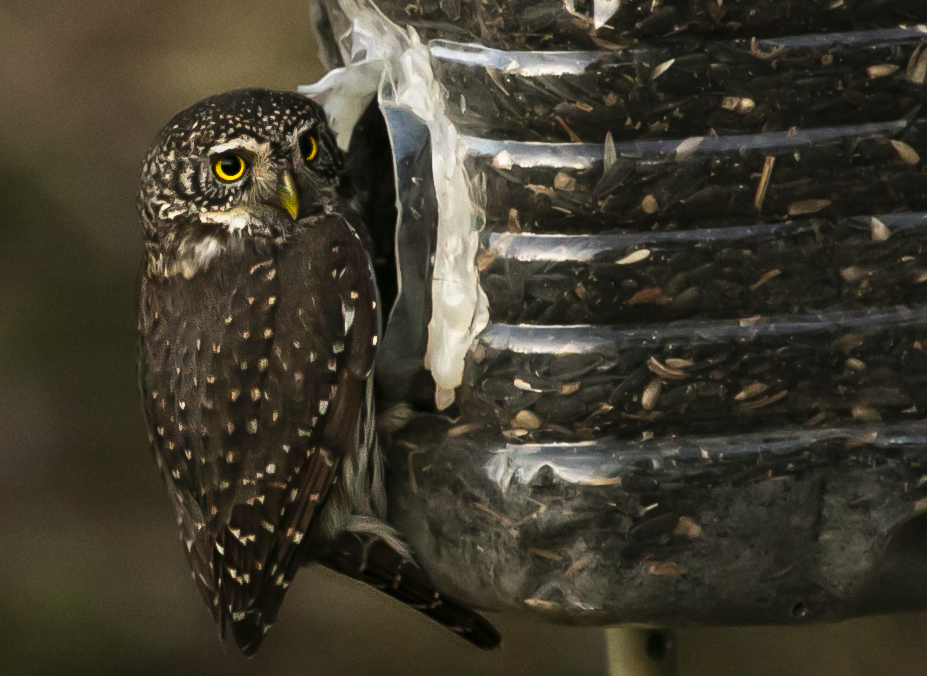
239 166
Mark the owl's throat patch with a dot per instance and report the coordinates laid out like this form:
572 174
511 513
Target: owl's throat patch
218 234
196 257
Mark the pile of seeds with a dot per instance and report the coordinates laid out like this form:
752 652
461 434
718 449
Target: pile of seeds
689 89
788 268
650 530
716 230
716 284
707 182
569 24
703 377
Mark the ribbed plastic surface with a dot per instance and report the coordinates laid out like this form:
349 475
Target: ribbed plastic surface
700 394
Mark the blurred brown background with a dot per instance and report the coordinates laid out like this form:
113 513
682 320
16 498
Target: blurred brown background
92 577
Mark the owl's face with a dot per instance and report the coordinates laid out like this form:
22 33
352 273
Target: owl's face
244 165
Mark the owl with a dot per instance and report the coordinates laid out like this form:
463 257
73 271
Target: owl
258 324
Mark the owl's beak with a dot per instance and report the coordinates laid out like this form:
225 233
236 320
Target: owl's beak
287 196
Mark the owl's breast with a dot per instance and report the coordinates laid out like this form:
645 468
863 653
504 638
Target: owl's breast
242 363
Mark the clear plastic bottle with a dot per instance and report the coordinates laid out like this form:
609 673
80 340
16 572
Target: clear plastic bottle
672 294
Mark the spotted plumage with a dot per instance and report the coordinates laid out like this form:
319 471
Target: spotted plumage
259 324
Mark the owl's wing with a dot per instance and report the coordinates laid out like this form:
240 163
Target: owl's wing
255 376
327 328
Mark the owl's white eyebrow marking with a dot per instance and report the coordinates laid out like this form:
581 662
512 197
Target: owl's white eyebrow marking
243 142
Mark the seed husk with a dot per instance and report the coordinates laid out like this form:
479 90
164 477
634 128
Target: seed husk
816 420
880 231
524 385
651 394
664 372
854 274
526 420
881 70
907 154
751 391
664 568
763 186
917 66
765 401
808 207
772 274
662 68
465 429
635 257
848 342
687 527
564 181
651 295
570 388
866 414
737 104
856 364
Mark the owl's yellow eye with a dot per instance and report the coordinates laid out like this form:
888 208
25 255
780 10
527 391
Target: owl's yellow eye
229 167
313 148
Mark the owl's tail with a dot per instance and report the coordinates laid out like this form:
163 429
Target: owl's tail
371 560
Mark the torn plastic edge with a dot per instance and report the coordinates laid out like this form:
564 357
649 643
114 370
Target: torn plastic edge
345 93
378 49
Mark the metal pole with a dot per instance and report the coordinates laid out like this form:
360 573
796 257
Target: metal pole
639 651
